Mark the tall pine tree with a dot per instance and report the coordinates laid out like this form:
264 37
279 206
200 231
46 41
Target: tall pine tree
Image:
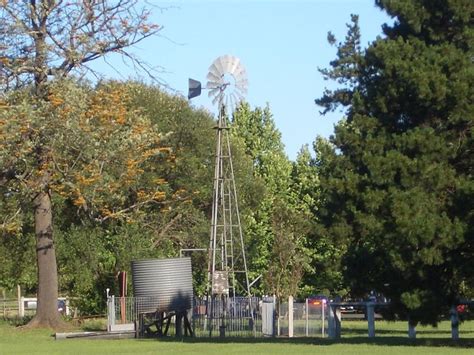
400 190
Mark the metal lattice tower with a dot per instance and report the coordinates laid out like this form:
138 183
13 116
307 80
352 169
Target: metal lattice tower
227 264
226 245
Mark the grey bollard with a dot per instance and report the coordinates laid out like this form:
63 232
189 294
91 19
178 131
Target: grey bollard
371 319
454 323
334 322
411 331
331 324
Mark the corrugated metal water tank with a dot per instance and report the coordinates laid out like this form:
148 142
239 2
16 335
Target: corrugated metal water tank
162 284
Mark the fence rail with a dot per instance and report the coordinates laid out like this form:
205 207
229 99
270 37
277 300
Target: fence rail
9 308
26 306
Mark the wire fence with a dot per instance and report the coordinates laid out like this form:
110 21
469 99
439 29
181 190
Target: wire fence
26 307
307 319
232 317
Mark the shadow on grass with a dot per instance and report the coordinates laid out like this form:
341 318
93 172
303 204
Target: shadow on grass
381 341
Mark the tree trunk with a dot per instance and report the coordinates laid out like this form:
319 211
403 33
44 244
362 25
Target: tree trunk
47 314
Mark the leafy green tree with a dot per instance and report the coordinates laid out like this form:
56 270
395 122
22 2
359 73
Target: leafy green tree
399 191
288 259
275 221
323 274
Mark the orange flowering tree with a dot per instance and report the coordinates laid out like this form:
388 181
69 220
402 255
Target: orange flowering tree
105 159
102 154
45 39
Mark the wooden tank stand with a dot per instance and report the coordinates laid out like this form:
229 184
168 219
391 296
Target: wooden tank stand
156 324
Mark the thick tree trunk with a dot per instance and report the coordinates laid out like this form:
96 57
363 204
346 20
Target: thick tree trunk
47 314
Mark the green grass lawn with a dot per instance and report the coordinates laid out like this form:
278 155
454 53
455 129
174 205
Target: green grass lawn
391 339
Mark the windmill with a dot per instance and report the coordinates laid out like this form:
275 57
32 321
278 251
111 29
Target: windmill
227 264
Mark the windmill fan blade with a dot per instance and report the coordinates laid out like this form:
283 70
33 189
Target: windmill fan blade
217 99
238 97
212 76
219 66
241 94
225 61
214 92
242 80
233 100
227 106
215 71
214 84
243 83
241 86
231 63
230 103
234 65
240 74
242 90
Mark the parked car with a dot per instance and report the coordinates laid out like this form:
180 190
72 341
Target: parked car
318 300
462 308
348 309
318 303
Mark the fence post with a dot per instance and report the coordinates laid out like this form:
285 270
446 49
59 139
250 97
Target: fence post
18 291
275 321
323 306
411 330
278 314
21 307
331 325
4 304
454 323
108 313
307 317
66 305
290 317
334 321
371 318
111 311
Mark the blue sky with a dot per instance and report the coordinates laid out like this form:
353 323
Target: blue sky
280 43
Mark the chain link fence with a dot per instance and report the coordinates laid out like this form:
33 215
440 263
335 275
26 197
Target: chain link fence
305 320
